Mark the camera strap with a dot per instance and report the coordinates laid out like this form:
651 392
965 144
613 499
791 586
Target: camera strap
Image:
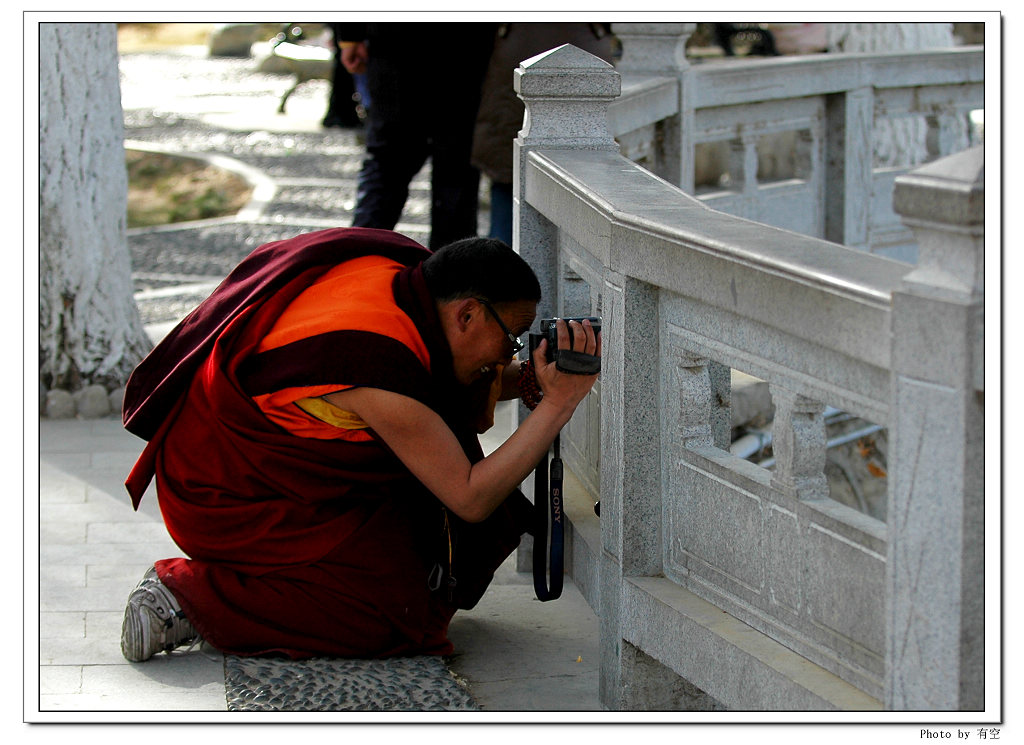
547 506
547 502
577 363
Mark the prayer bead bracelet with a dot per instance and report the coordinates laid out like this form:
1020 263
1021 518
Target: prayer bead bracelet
529 388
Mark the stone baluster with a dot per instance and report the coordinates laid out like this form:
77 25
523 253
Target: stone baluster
807 161
946 133
798 440
743 163
696 397
935 639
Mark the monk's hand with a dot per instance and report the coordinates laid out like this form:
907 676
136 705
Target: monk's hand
567 389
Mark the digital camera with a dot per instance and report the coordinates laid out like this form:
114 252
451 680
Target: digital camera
566 360
549 329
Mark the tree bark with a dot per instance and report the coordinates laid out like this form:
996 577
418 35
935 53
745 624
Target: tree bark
89 326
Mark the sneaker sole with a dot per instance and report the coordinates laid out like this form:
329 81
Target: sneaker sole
140 629
134 634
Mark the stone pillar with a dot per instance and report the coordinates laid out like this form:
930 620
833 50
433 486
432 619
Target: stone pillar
848 167
566 93
935 640
631 488
660 49
653 48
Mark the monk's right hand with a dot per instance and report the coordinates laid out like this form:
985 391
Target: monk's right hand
566 389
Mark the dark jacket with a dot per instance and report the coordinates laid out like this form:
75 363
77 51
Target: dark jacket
501 112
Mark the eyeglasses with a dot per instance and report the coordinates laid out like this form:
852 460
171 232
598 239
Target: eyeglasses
517 345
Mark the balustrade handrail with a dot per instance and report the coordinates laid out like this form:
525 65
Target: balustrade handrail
806 260
831 73
836 301
827 184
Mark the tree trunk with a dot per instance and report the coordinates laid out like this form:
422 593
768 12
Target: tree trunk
89 326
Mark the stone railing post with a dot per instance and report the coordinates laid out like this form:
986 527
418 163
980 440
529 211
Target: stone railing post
935 636
653 48
566 92
631 486
849 160
660 49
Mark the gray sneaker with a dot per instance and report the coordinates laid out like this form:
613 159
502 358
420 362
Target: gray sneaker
153 621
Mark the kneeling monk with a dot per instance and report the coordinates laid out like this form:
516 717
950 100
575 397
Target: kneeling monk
312 430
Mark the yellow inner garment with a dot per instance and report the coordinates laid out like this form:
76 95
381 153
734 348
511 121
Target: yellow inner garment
331 414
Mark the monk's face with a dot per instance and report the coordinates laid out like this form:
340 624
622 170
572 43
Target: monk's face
481 344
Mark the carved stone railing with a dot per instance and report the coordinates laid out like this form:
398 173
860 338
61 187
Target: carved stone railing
820 113
719 583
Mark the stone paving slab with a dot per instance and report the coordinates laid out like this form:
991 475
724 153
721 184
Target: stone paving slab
190 682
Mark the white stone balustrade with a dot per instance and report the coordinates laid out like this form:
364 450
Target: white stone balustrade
719 583
821 110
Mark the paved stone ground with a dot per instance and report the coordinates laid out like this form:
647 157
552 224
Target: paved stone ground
406 684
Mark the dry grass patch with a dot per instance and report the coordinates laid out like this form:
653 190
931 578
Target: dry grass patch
168 189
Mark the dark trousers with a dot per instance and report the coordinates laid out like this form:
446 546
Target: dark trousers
341 107
501 212
423 110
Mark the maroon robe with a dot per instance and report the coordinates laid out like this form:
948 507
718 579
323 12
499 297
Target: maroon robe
297 545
